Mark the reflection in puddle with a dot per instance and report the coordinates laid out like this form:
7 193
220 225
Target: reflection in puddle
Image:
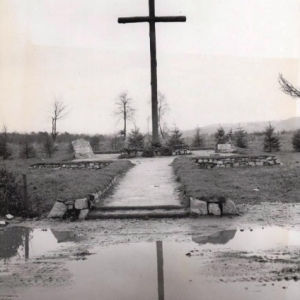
160 270
250 239
221 237
18 243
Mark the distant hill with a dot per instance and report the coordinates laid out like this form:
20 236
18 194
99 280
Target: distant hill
289 124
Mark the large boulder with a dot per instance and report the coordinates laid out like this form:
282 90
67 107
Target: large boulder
82 149
58 210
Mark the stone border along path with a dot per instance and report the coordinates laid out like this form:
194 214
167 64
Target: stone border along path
92 165
81 206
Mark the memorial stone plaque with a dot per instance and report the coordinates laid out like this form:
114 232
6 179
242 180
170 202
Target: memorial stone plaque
226 148
82 149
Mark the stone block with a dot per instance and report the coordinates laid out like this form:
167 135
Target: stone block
229 208
236 164
58 210
214 209
82 203
82 149
3 223
252 164
83 214
93 197
259 163
9 217
198 207
69 202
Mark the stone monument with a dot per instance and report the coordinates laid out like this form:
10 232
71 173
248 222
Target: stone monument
82 149
226 148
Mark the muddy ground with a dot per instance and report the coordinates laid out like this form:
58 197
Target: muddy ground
271 265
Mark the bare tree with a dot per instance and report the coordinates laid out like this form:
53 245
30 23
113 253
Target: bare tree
288 88
162 109
124 110
59 112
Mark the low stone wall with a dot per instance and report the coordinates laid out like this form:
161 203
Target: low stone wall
93 165
78 208
233 161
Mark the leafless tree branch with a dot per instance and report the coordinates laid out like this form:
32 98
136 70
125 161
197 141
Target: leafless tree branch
162 110
288 88
59 112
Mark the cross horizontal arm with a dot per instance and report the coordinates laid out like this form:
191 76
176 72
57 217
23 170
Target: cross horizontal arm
149 19
133 20
170 19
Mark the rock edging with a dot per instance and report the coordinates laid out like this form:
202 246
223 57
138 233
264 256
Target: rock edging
209 162
78 208
92 165
211 207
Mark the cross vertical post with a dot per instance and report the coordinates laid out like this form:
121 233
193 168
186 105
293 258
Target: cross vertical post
152 19
152 33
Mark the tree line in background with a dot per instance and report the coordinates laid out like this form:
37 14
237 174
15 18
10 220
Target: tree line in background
171 139
28 144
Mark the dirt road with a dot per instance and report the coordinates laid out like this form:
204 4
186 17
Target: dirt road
204 241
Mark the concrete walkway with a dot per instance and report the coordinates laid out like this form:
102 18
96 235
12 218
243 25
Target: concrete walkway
150 182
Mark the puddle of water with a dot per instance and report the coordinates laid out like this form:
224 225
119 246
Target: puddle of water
161 270
250 239
21 243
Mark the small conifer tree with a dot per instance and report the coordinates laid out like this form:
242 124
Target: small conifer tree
220 135
26 149
94 142
240 137
49 147
176 141
136 139
271 140
198 140
296 140
5 149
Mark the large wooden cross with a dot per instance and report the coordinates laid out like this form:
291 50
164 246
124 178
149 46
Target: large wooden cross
152 19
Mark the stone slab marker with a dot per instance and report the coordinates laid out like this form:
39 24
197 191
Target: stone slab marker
225 148
82 149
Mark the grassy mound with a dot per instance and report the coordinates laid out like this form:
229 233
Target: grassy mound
46 185
243 185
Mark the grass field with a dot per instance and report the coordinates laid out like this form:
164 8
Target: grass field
45 186
275 183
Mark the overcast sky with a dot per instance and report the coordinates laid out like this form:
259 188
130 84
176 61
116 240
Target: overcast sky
221 66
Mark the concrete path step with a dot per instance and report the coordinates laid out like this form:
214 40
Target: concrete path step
139 214
144 208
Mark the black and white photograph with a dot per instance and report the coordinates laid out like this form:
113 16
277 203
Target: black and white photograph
149 149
